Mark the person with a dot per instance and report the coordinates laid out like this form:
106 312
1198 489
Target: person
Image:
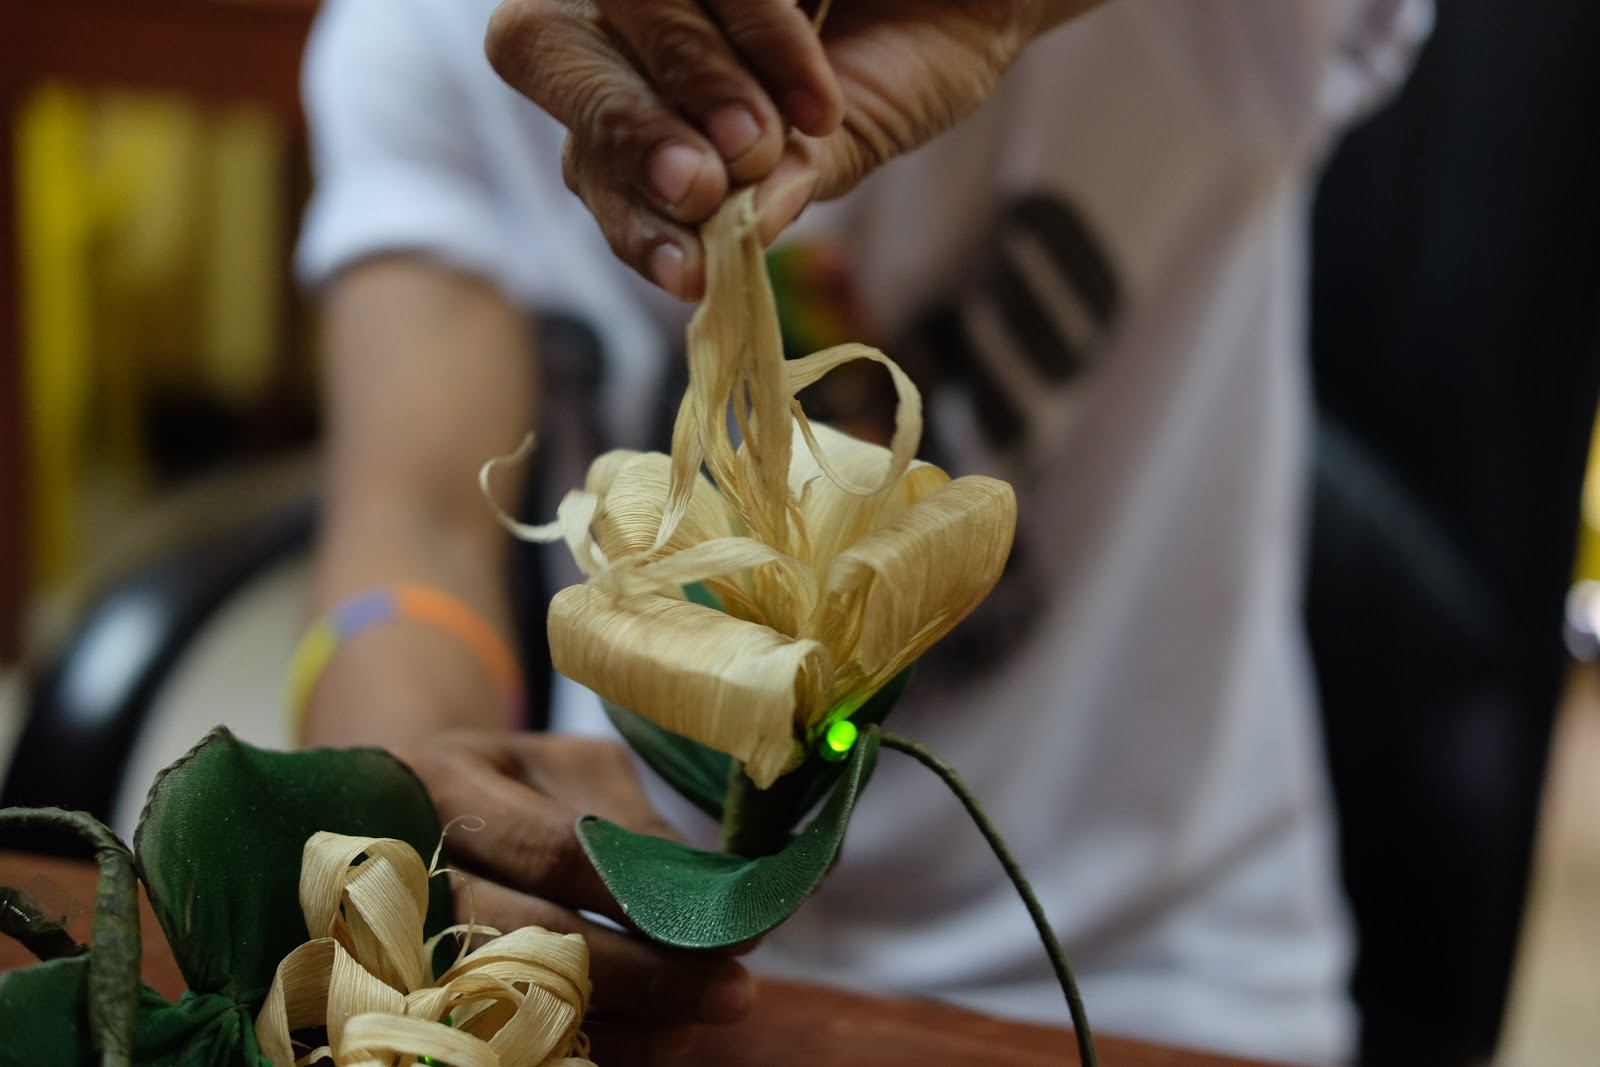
1084 225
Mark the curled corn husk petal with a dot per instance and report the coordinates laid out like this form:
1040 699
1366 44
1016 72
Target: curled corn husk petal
632 488
833 515
732 685
385 1038
373 907
808 370
735 355
517 1001
896 591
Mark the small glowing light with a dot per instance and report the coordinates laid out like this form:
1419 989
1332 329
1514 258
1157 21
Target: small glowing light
839 740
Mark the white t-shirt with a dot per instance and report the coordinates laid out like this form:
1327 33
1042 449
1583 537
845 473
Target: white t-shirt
1107 261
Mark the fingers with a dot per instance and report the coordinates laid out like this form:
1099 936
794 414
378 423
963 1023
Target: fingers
793 183
724 63
565 59
527 840
595 777
667 104
633 978
662 249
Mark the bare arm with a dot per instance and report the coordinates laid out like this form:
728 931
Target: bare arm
429 373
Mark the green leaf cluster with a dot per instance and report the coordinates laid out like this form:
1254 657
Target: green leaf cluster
218 849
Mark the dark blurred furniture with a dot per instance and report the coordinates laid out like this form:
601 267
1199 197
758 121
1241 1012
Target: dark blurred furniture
212 50
87 706
1456 339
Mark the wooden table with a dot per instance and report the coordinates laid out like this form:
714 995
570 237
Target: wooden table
791 1023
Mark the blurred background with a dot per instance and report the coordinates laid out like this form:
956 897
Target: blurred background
158 416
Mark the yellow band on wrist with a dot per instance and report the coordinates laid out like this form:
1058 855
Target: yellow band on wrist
412 603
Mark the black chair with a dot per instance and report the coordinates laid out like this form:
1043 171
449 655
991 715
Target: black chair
1456 340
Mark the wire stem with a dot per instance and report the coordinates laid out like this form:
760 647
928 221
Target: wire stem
1052 947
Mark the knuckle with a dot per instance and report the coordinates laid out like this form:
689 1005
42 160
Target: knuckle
512 31
614 125
546 858
680 49
764 29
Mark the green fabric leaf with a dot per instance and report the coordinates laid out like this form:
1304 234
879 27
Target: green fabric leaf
698 773
816 775
44 1014
701 775
695 899
220 841
113 965
201 1030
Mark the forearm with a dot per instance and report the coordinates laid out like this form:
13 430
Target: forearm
429 374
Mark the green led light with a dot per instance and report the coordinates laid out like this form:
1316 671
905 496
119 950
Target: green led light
839 740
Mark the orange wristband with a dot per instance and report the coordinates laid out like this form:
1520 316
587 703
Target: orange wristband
413 603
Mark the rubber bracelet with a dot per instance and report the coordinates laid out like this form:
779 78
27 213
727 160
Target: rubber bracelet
410 603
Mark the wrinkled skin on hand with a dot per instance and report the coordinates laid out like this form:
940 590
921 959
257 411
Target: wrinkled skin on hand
670 103
525 866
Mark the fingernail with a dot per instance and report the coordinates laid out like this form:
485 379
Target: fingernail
733 129
729 994
666 266
781 204
673 168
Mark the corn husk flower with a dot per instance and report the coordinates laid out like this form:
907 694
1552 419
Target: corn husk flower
836 562
364 976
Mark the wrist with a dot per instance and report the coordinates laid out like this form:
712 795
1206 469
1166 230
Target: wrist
401 660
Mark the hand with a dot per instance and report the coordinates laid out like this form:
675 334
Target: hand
525 867
667 103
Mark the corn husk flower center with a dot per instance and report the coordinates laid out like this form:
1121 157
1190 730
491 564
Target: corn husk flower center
836 562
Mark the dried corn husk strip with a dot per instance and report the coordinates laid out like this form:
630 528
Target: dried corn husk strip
515 1002
733 685
382 1039
896 591
834 516
633 488
573 516
370 907
808 370
735 355
782 595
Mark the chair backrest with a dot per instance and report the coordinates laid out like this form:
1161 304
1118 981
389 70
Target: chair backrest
1456 341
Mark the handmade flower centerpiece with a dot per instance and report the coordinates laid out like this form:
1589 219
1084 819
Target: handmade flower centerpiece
750 625
752 619
750 612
